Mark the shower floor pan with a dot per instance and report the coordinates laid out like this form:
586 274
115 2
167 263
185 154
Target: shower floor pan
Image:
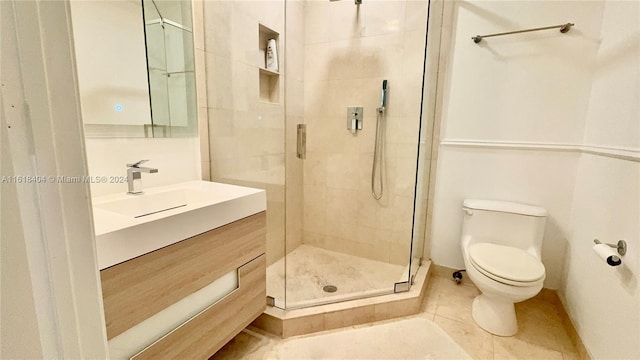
311 269
368 307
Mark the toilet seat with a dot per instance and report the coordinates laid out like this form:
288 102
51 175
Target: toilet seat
506 264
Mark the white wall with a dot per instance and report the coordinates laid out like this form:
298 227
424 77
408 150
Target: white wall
177 160
529 88
604 302
534 177
51 303
19 333
552 120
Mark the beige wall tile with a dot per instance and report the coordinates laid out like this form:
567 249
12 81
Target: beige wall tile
345 22
342 318
268 323
198 24
365 234
315 168
396 309
413 61
201 77
217 27
203 133
219 81
383 17
430 302
317 65
311 238
343 171
416 17
341 228
205 168
367 209
316 97
399 253
340 205
303 325
383 56
374 251
343 93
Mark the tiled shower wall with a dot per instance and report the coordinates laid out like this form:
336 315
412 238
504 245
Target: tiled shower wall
349 51
246 133
334 55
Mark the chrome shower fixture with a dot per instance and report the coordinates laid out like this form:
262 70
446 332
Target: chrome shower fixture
383 97
357 2
378 150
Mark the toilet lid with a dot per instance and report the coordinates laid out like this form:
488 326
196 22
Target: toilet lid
506 264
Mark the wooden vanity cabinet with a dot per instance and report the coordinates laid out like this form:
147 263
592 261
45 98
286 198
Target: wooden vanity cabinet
144 286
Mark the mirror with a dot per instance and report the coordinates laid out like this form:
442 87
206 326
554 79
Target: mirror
135 62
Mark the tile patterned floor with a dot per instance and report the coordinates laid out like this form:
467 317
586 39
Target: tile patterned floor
541 334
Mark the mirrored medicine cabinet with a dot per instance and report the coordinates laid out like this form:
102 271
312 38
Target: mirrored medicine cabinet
136 72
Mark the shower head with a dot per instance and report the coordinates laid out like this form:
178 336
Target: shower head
357 2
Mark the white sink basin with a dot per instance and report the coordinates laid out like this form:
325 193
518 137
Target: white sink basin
128 226
147 204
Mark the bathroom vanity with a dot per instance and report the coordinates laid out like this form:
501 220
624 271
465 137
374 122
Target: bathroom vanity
182 268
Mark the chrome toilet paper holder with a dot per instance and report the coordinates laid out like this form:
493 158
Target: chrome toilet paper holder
621 246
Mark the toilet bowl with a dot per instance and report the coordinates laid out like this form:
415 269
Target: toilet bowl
501 244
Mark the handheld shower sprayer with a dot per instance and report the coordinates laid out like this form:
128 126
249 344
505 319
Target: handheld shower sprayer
377 172
383 99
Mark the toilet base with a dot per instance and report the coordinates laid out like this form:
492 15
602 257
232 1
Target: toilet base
495 315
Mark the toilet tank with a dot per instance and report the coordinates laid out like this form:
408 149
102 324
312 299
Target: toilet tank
504 223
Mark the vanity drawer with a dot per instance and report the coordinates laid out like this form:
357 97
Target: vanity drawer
141 287
206 333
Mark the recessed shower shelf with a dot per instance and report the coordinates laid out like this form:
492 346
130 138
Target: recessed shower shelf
269 80
267 72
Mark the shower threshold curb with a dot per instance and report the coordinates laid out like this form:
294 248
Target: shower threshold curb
287 323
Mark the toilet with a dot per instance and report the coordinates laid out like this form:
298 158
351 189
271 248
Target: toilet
501 246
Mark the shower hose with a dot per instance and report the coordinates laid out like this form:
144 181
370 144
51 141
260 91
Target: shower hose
378 155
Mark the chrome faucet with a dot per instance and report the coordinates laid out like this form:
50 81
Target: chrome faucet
134 175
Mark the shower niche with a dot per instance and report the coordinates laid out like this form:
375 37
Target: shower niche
269 80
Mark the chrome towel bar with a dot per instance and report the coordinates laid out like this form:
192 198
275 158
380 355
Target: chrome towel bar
563 29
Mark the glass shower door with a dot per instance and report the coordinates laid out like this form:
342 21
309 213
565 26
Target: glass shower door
341 242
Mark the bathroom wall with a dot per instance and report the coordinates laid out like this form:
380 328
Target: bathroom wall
123 81
349 50
552 120
246 131
177 160
19 326
604 302
513 110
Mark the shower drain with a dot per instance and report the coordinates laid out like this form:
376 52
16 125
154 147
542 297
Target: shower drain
330 288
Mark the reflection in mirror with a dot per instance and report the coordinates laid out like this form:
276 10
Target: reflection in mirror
132 86
170 59
111 65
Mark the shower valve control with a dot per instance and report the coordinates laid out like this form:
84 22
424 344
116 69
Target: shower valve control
354 118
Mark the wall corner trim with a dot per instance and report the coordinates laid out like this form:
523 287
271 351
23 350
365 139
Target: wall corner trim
622 153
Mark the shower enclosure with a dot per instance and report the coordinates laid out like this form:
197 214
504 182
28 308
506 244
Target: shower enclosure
309 133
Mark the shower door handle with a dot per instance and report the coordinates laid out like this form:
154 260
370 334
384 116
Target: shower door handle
301 147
